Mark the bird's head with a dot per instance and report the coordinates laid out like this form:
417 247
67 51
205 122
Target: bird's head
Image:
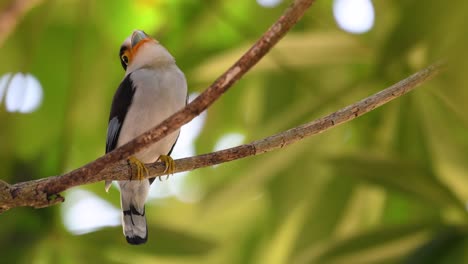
140 50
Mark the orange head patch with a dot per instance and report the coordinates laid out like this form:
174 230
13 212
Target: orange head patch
129 49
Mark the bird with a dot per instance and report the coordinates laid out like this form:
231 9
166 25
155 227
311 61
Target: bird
153 88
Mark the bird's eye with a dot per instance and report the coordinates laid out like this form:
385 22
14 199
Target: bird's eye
125 59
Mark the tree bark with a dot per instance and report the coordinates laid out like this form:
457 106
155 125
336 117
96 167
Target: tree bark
36 193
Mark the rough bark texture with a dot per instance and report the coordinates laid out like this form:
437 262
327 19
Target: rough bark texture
44 192
36 194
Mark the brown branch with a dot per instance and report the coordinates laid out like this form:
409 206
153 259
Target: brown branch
120 171
200 104
11 15
280 140
43 192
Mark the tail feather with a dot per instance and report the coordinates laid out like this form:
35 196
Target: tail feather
134 225
132 198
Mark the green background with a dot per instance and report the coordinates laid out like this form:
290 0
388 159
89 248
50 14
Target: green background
388 187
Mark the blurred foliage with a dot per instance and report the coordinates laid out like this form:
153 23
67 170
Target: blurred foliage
389 187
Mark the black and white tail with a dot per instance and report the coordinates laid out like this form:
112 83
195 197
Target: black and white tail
134 225
132 198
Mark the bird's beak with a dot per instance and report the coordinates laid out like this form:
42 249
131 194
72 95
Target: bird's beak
137 36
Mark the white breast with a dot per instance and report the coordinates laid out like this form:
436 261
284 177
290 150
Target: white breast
160 92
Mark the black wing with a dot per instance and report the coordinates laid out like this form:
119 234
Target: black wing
121 103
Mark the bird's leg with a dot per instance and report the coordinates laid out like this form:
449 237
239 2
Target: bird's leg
140 169
170 165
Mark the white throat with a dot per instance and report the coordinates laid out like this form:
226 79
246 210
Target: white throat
150 55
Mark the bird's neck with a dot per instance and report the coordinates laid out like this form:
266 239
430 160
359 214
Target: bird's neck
151 56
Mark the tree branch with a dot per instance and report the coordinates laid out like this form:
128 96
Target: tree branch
11 15
202 102
44 192
10 194
285 138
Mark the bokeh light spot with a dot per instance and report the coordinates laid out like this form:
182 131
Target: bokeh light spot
23 92
354 16
269 3
229 140
85 212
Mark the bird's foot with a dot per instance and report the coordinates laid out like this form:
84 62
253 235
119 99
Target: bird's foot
170 165
139 168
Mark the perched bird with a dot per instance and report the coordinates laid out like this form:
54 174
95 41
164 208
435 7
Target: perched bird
152 89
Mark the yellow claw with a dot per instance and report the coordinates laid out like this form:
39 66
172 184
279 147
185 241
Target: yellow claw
170 165
140 169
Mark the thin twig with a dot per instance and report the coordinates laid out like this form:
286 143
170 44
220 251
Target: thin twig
44 192
119 171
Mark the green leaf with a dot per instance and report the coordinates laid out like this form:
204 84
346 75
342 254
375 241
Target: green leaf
384 244
404 176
